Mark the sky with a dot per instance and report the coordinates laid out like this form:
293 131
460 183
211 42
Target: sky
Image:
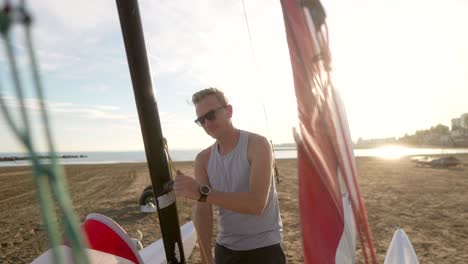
400 67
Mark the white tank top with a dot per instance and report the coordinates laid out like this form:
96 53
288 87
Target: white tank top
231 173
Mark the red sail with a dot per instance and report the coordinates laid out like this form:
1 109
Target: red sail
324 142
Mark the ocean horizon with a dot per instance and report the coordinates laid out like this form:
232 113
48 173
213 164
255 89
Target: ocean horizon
103 157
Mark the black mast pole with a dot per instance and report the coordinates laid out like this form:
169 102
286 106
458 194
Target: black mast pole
160 173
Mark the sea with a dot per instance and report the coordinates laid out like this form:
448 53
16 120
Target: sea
108 157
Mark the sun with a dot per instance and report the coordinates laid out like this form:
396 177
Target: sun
392 152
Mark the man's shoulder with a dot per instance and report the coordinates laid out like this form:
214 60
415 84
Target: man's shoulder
204 155
256 138
258 145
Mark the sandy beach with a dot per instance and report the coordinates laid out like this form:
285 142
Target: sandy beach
431 204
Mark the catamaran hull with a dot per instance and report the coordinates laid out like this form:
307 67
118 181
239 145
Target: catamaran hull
109 244
154 253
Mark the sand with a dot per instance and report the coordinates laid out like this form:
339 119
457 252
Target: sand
430 204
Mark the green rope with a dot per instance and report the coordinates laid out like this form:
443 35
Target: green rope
49 179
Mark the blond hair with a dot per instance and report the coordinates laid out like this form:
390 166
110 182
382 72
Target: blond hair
200 95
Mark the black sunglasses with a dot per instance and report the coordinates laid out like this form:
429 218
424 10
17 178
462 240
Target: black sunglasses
210 115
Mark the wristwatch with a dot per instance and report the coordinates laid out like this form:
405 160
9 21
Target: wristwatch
204 191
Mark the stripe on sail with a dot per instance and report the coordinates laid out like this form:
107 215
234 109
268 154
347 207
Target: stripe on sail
324 145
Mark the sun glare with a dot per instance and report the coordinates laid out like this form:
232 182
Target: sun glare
391 152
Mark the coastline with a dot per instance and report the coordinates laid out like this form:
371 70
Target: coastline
114 157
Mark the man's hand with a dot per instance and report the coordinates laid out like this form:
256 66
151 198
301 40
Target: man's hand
186 186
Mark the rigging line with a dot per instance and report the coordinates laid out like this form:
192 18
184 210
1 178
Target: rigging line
18 85
248 28
55 170
186 202
42 183
263 104
47 177
172 168
254 60
174 172
203 253
194 217
38 83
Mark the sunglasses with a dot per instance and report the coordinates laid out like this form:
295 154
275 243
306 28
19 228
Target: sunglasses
210 115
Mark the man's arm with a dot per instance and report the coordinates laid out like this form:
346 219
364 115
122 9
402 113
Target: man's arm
251 202
203 212
255 200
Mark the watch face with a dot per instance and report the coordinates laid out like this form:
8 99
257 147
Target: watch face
205 189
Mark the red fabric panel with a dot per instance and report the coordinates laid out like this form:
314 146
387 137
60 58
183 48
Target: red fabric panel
322 226
102 238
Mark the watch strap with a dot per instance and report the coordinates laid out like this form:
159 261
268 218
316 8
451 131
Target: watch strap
202 198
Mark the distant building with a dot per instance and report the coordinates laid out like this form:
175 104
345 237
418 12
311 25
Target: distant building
461 122
456 123
464 120
459 131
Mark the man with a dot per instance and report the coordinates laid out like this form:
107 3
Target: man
235 174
